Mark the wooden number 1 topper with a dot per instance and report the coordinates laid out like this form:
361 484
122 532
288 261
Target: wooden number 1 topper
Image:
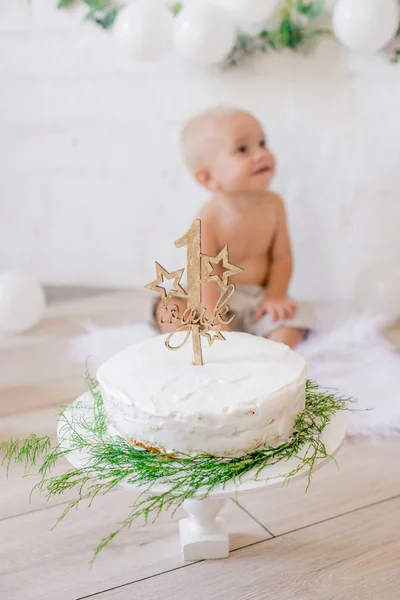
193 318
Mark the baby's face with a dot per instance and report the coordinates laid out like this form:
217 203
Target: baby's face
243 162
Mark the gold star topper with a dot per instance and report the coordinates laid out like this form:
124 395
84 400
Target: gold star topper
193 320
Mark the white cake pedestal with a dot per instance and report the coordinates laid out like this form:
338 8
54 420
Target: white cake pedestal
203 534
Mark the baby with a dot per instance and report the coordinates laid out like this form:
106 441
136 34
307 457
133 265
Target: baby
227 153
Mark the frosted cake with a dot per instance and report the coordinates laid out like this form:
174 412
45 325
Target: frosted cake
246 395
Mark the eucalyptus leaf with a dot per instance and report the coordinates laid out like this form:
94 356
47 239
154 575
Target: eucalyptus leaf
242 41
97 4
296 37
176 8
65 3
310 9
108 19
285 31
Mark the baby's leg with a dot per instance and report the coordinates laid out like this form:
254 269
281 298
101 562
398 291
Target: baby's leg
287 335
168 327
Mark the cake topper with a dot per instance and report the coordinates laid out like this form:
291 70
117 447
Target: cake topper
200 269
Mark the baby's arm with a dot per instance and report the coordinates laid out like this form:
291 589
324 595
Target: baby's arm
276 301
281 255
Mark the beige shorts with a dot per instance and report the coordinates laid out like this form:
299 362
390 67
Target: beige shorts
244 303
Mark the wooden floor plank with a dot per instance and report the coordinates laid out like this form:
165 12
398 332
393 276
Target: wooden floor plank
42 421
38 563
353 557
366 473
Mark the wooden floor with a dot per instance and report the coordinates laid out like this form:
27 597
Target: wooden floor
339 541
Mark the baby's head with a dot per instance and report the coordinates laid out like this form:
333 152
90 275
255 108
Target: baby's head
226 150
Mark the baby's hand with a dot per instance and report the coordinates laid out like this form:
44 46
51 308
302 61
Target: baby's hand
279 308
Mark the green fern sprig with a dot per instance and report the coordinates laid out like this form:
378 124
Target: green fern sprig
27 450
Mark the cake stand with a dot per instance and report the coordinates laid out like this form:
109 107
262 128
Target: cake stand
203 534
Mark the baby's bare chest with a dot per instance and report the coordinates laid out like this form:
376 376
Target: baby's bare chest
248 235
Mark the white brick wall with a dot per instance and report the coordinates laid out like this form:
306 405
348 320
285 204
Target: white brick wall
92 188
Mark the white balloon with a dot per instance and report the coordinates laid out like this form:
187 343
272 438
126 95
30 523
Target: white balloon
248 11
366 25
203 33
22 301
144 29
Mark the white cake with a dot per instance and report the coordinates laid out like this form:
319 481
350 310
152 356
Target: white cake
247 394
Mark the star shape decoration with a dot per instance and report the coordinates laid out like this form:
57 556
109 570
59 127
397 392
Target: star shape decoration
156 285
211 261
213 334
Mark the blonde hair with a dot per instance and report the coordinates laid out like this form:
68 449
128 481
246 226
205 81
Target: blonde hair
199 133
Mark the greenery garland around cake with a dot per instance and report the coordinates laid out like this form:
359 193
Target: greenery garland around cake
111 460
